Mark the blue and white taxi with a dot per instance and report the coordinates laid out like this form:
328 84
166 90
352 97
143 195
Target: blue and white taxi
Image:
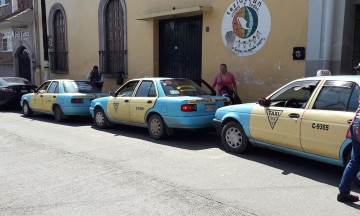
61 98
307 117
160 104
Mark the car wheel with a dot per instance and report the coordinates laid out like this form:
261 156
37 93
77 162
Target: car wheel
357 179
27 112
58 114
100 119
234 138
156 127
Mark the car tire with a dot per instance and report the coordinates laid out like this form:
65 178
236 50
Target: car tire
234 138
58 113
27 112
357 179
100 119
156 127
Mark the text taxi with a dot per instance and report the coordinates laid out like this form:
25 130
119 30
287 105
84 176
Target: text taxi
61 98
160 104
307 117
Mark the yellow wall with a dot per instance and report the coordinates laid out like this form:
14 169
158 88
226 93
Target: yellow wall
257 75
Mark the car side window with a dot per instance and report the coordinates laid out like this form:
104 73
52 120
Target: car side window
294 95
146 89
54 88
128 89
334 95
353 101
43 87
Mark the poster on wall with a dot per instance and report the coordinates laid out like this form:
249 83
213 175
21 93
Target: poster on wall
246 26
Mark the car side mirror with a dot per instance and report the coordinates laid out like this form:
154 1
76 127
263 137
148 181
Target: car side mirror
264 102
41 91
111 93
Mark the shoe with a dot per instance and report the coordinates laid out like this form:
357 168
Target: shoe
347 198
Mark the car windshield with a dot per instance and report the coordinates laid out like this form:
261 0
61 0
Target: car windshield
181 87
15 80
80 87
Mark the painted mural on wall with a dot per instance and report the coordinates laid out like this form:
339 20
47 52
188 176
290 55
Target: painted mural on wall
246 26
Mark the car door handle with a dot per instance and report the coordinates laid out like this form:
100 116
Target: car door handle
149 101
349 121
54 96
126 101
294 115
41 95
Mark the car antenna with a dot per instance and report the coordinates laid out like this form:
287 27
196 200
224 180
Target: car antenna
142 71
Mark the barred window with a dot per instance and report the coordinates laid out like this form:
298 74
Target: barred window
114 30
60 55
7 44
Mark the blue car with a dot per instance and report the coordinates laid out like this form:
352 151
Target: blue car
160 104
61 98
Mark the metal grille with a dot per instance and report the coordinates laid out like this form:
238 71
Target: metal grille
180 47
59 56
115 52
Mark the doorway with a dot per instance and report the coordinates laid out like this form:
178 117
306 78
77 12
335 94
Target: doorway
180 47
24 64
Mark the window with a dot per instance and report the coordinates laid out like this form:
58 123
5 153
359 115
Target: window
54 87
181 87
7 42
3 2
128 89
58 48
43 87
146 89
112 37
59 41
294 95
336 95
80 87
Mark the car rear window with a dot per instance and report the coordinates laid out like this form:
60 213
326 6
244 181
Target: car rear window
80 87
15 80
181 87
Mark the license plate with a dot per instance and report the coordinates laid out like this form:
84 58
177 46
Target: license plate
24 91
210 107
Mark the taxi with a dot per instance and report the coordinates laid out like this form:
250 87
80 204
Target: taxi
307 117
159 104
61 98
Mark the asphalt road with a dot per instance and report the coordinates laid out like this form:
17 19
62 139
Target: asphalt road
71 168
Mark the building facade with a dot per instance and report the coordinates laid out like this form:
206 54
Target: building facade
16 36
265 43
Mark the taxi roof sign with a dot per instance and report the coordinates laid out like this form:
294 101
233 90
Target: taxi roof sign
323 73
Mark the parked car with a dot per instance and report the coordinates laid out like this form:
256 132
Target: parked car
160 104
12 88
61 98
307 117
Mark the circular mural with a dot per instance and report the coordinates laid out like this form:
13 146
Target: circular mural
246 26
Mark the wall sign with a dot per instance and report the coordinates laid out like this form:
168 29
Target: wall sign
246 26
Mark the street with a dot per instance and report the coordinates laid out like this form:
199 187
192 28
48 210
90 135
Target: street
72 168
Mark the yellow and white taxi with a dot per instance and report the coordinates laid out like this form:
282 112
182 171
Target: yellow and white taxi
307 117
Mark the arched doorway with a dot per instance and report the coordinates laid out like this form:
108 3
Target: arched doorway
24 64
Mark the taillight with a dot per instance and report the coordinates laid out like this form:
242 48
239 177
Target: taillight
228 103
77 100
188 107
7 90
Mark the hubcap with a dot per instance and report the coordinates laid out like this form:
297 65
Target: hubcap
155 126
26 108
99 118
233 137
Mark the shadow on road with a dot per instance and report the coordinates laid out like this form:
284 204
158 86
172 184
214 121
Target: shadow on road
200 140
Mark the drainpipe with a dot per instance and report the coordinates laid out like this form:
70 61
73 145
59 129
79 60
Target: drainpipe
45 41
327 29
